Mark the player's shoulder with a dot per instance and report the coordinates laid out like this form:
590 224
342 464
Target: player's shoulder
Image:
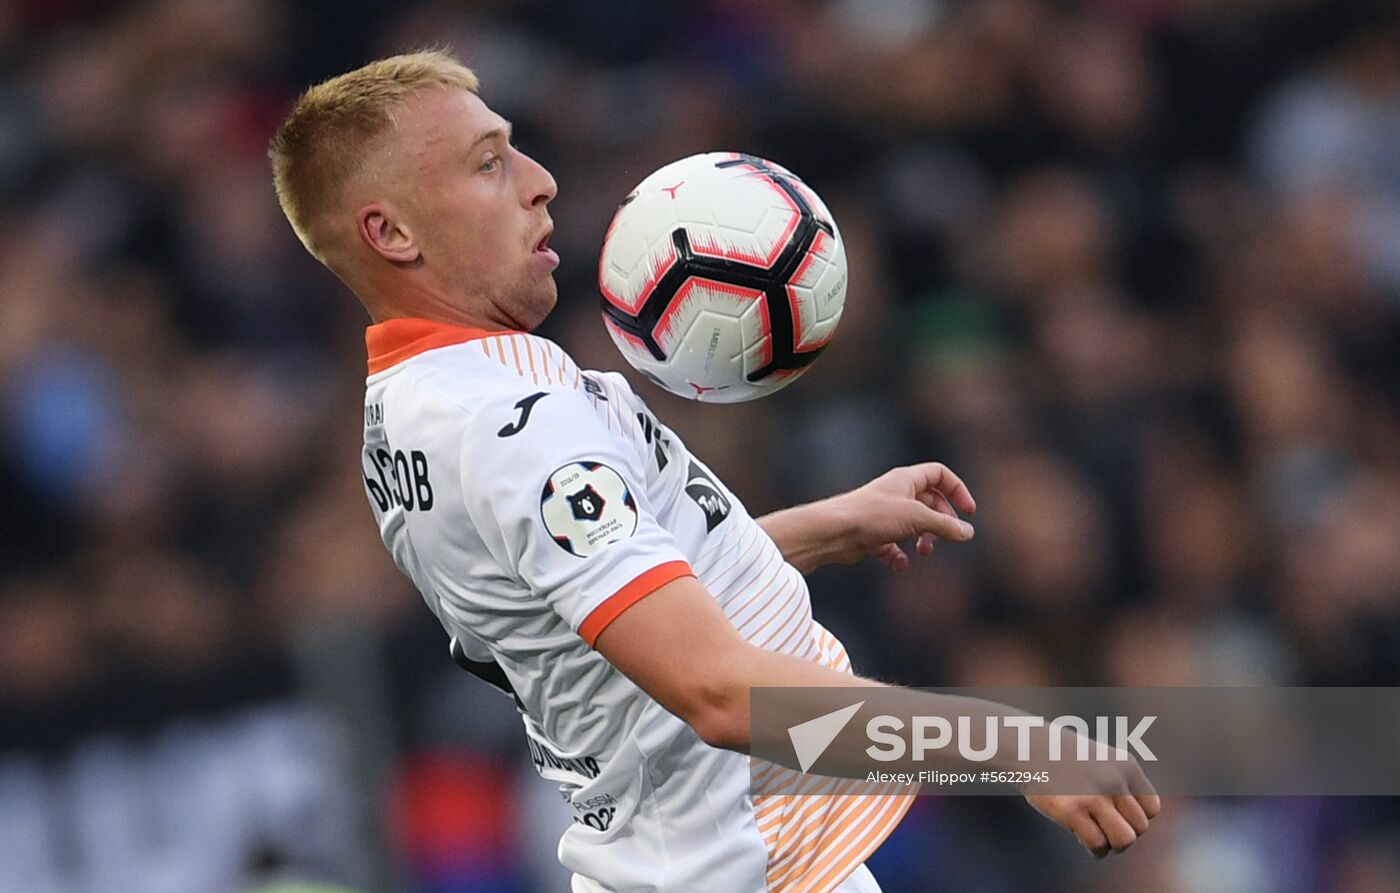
513 386
488 370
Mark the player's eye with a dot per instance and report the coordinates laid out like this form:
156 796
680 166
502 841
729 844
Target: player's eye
490 163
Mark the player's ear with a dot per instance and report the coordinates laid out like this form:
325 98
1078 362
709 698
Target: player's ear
386 234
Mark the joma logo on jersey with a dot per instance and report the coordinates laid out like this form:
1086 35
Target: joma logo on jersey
525 406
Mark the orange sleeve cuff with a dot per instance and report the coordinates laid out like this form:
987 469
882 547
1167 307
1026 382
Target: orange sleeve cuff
642 586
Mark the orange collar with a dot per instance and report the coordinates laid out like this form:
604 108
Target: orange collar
395 340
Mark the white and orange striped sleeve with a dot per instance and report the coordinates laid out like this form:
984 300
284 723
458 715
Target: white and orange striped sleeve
560 501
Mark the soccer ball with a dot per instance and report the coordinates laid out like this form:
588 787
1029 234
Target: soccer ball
723 277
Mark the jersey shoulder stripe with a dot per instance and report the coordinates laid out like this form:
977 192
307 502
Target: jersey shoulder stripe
392 341
502 367
531 357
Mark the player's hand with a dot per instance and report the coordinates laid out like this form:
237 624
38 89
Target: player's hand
918 503
1105 822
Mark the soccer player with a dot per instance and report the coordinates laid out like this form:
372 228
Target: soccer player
575 551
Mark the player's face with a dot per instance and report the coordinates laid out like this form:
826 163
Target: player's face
476 206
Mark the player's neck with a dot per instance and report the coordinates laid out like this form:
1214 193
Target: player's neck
438 309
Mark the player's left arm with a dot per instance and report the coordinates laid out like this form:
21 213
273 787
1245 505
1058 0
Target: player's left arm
919 503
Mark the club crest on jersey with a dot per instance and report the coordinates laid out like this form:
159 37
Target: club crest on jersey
585 506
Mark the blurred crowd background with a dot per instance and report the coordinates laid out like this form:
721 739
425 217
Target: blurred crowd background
1132 267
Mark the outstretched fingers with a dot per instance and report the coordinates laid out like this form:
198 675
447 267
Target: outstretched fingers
932 514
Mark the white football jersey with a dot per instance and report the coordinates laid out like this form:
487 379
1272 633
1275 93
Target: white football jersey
532 503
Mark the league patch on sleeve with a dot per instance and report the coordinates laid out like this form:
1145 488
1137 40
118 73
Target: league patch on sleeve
585 506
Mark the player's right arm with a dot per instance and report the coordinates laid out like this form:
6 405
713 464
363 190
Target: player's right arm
680 648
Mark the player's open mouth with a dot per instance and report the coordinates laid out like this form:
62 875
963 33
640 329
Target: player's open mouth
544 252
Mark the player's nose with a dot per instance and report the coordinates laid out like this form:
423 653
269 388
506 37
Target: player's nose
541 187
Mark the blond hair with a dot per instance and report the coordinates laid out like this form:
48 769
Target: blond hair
319 146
